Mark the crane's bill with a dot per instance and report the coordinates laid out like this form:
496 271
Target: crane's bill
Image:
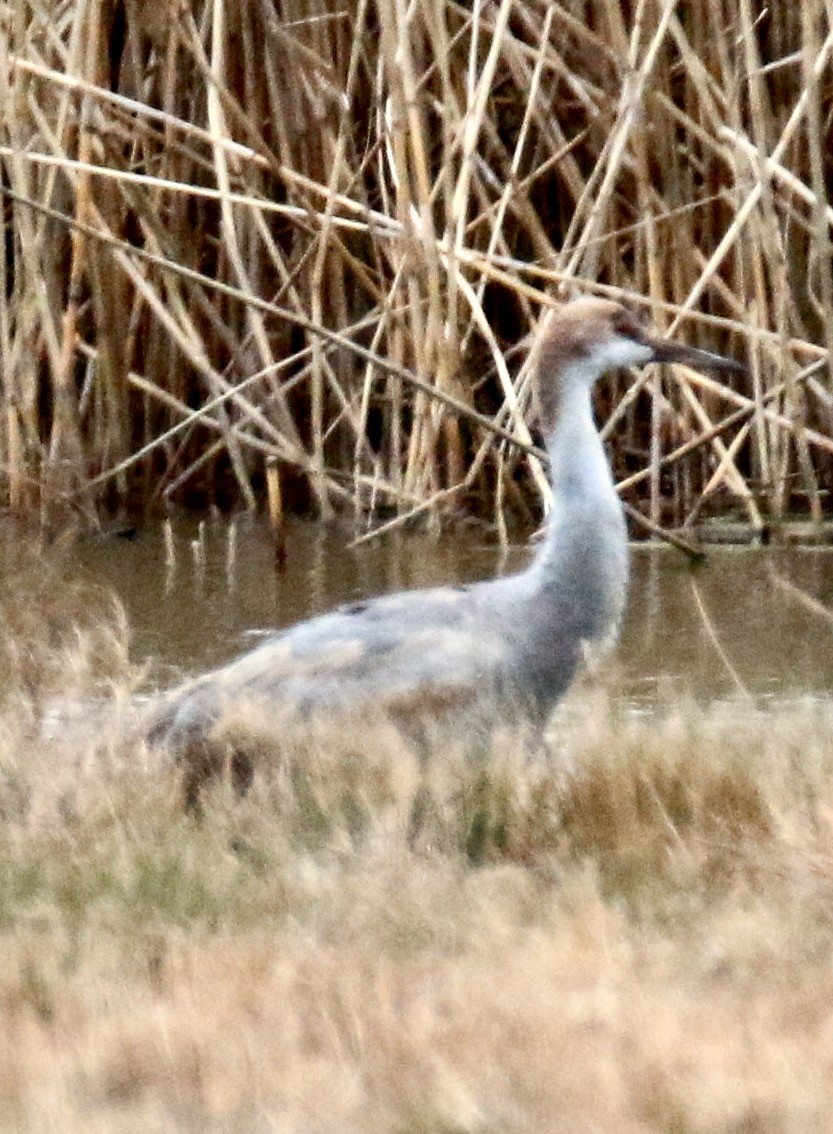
667 351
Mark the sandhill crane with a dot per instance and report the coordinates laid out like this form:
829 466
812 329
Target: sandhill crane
477 654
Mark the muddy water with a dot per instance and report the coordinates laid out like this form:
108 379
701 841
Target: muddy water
211 591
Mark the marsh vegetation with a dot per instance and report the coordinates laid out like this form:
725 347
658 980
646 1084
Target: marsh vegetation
634 933
239 233
304 246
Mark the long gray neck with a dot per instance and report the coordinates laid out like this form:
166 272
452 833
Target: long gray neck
582 564
572 595
578 464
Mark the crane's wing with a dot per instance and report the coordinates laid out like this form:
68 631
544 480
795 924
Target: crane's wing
414 653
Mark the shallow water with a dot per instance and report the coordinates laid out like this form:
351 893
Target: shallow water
209 593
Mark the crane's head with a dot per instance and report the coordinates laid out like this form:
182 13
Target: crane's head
589 336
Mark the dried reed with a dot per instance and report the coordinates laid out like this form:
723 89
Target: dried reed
238 233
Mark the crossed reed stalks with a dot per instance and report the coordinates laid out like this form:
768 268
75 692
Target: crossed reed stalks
322 236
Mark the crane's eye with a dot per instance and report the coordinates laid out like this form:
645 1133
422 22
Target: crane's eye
628 324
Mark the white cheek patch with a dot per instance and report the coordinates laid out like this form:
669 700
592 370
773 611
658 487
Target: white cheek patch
622 351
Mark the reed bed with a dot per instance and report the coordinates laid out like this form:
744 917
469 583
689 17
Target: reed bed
319 238
633 934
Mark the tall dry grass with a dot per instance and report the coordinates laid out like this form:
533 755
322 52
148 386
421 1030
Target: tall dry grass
316 234
632 935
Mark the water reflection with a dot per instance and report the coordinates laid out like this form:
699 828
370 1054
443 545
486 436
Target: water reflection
197 594
725 624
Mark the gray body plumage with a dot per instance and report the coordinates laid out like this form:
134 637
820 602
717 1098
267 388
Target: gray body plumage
483 653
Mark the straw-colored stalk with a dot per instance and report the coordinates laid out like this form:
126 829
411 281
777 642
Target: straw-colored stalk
244 232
